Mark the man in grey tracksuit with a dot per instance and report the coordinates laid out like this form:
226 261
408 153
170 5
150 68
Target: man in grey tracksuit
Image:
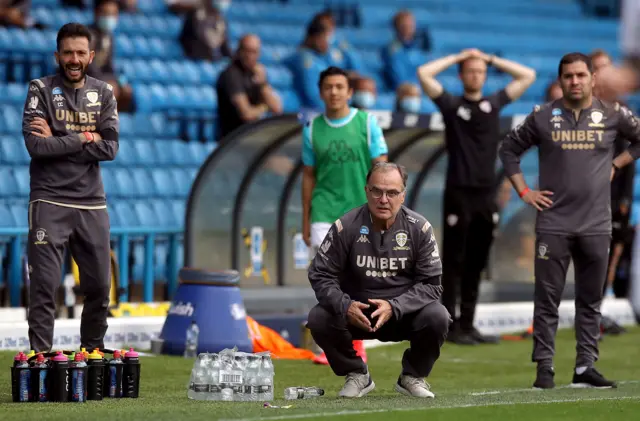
70 124
377 276
575 137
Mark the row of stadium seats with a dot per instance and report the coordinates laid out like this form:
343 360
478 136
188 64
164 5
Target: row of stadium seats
130 183
132 152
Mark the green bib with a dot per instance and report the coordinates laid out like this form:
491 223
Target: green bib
342 160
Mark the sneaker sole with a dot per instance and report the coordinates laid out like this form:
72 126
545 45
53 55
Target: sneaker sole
588 386
362 392
405 392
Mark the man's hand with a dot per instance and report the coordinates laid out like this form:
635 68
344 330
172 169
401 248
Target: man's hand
259 74
383 312
306 232
538 199
41 128
96 137
356 317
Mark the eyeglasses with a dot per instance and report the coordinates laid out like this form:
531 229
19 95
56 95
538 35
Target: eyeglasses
377 193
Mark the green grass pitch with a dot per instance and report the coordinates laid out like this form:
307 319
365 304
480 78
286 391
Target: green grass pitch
491 382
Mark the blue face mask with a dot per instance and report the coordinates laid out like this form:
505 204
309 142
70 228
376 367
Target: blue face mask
222 5
107 23
410 104
364 99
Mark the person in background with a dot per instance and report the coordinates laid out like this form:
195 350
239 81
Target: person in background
338 148
472 135
341 54
554 91
408 98
364 96
308 62
204 32
15 13
102 42
244 94
407 52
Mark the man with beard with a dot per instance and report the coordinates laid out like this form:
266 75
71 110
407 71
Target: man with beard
575 137
472 133
70 124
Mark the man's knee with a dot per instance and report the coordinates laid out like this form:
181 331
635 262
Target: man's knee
433 319
321 321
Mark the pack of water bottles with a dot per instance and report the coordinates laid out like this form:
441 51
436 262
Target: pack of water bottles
65 376
232 376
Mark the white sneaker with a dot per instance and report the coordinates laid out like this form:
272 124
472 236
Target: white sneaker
413 386
357 385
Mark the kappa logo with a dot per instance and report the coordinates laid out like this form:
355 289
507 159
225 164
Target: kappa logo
41 234
58 98
543 249
412 219
363 239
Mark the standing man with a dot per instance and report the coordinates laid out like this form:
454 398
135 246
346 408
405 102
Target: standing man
575 137
377 276
70 124
472 133
338 148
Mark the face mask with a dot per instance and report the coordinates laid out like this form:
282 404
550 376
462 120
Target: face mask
410 104
107 23
364 99
222 5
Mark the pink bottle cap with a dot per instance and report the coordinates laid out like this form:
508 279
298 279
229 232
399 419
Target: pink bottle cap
18 356
131 354
60 357
116 354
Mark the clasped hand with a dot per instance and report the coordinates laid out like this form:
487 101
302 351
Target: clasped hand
356 317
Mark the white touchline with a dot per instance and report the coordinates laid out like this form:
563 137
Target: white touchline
531 389
466 405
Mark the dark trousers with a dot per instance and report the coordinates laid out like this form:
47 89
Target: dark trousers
470 216
426 331
590 258
51 228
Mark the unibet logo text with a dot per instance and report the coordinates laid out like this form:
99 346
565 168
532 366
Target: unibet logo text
382 263
577 135
76 116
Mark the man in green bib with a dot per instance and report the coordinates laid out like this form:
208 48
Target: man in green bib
338 149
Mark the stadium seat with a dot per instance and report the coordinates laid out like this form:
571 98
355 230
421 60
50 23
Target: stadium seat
126 214
13 151
164 212
164 185
6 218
143 181
22 178
146 151
146 214
8 186
20 212
125 185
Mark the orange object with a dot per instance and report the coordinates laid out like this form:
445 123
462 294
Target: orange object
266 339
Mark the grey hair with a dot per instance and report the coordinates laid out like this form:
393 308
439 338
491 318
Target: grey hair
389 166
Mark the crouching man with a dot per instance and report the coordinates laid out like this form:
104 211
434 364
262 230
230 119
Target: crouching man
377 276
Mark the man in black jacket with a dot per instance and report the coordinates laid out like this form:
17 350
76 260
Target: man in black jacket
377 276
70 124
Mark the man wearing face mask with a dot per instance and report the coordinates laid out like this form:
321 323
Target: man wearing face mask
364 96
102 42
70 125
408 98
402 57
472 133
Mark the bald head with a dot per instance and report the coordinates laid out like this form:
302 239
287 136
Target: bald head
249 51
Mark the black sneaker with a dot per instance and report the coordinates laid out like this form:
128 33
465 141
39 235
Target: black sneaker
544 378
459 337
608 326
591 378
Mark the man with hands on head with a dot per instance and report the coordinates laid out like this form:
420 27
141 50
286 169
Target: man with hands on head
70 124
472 134
377 276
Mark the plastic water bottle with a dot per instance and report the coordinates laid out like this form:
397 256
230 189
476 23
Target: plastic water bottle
251 378
291 393
41 370
115 368
266 375
191 343
78 370
24 379
214 379
238 375
199 385
226 375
